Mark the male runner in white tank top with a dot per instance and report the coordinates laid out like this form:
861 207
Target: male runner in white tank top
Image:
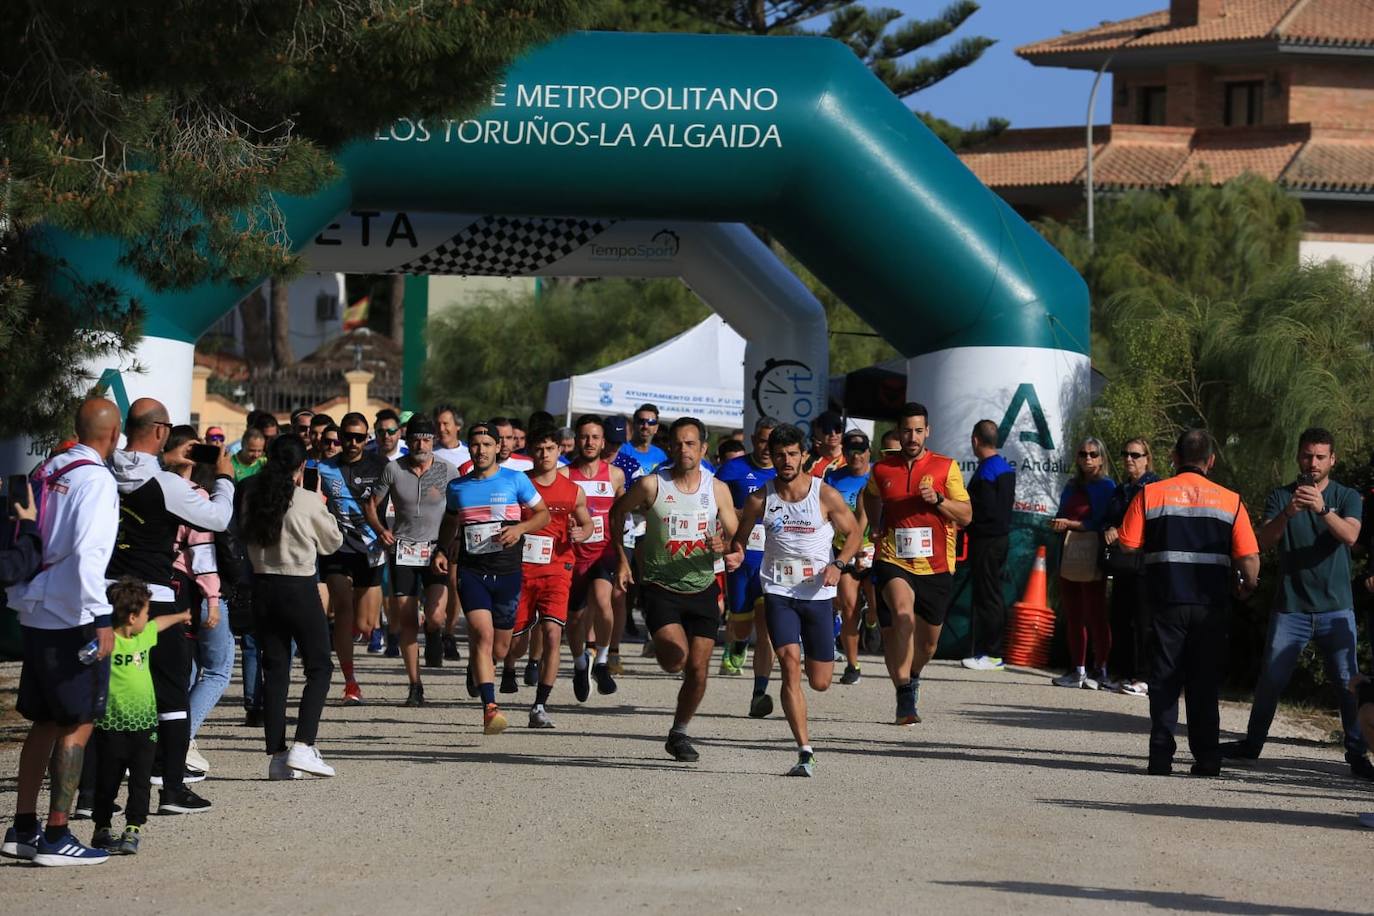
801 516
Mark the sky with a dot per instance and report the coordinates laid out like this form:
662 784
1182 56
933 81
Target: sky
1003 85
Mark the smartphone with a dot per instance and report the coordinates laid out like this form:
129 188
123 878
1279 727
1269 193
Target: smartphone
310 479
17 489
1306 480
204 454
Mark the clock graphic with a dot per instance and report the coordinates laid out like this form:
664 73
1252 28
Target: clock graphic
786 389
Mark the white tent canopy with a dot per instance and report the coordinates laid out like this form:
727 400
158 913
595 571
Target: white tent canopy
698 373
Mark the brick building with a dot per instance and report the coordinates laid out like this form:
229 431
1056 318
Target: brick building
1214 88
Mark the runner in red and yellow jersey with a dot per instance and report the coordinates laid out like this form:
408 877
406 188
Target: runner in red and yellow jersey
915 501
547 569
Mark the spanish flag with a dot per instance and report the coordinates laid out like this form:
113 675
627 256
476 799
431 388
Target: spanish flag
355 316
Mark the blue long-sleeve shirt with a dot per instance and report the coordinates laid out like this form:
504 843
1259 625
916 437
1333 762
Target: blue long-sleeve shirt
1088 503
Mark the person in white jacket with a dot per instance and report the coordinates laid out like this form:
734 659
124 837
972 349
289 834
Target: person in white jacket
62 611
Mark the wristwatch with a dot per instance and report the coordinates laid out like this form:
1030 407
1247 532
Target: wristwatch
939 498
838 565
1324 510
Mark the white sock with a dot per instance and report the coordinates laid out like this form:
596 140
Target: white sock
580 661
602 654
806 749
1081 671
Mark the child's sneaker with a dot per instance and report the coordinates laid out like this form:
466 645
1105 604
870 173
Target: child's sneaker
128 843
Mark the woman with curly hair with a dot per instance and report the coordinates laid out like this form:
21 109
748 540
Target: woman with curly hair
285 528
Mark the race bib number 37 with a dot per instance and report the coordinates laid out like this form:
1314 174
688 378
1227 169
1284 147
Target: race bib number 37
915 543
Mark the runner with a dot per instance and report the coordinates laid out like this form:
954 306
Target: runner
507 458
449 446
827 430
484 508
641 449
850 480
417 486
677 556
353 574
919 497
594 570
743 591
548 567
801 517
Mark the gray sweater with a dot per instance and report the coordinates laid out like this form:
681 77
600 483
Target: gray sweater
307 531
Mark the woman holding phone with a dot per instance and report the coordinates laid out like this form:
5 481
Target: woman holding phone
285 528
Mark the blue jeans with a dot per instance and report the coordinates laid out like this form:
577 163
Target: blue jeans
1289 634
213 664
252 673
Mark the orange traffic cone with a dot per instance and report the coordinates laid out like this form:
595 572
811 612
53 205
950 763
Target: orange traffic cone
1031 627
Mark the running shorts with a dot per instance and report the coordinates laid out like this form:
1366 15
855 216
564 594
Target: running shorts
411 581
931 591
793 621
352 566
54 686
583 576
500 595
698 613
543 598
743 591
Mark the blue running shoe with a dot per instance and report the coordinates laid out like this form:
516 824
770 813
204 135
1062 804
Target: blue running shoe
67 850
376 645
20 847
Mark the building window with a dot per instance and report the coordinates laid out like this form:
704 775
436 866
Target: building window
1243 101
1151 104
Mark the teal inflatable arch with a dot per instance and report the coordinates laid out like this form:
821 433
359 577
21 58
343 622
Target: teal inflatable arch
793 135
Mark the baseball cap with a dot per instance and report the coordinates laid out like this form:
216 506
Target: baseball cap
854 441
420 425
615 427
828 422
405 416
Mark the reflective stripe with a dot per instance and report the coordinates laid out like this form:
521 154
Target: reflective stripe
1167 511
1188 556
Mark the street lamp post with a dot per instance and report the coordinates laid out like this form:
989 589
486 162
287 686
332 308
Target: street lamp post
1092 103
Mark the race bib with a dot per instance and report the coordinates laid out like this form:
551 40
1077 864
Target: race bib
598 530
913 543
719 565
756 538
480 538
864 559
413 553
791 571
688 526
538 549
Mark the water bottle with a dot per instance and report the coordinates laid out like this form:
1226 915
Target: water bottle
89 652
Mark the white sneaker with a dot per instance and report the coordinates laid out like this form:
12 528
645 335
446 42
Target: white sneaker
277 767
307 759
195 760
1074 679
1135 688
983 663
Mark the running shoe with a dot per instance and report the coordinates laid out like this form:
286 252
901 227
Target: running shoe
1360 767
1135 688
1239 750
277 768
471 682
352 695
906 710
67 850
451 653
252 718
531 673
106 840
614 664
128 842
393 646
1210 768
539 718
195 759
377 644
679 747
20 847
805 766
983 663
181 801
1073 679
851 674
1105 682
307 759
582 686
493 720
761 706
508 684
605 684
415 697
732 665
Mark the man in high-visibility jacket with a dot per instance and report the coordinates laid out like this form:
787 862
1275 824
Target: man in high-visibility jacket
1195 536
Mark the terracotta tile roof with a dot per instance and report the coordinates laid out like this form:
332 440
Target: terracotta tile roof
1131 156
1347 23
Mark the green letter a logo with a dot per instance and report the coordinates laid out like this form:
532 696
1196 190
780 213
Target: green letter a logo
112 383
1026 395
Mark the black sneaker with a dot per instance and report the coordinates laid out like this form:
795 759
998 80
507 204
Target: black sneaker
252 718
471 684
531 673
183 801
1360 767
106 840
851 675
679 747
605 684
508 684
1206 768
582 685
1238 750
434 651
416 696
451 653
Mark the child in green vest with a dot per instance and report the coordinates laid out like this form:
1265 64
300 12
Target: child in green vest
126 736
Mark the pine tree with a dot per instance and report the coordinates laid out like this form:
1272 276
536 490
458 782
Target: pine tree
169 123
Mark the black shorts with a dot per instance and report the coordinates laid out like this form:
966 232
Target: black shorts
698 614
412 581
352 566
54 686
931 591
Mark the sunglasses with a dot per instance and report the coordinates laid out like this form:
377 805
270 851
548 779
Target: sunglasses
1136 455
164 423
1087 454
214 439
646 421
303 430
351 437
388 430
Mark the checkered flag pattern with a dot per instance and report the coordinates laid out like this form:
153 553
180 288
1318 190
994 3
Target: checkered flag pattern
504 246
